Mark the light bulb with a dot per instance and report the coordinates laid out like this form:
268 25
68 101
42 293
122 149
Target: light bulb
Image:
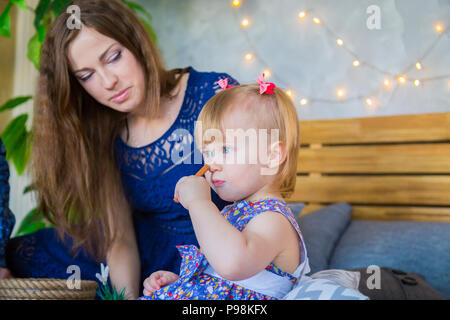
387 83
316 20
236 3
417 82
418 66
267 73
303 101
245 22
355 63
340 42
439 28
369 101
249 57
401 79
340 93
302 14
289 93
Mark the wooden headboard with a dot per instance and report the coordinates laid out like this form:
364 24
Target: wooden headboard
387 168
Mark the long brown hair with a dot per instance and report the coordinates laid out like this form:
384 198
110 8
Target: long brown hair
73 165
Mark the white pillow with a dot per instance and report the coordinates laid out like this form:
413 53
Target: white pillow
309 288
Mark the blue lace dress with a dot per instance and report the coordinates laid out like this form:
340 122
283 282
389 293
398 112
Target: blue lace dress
149 175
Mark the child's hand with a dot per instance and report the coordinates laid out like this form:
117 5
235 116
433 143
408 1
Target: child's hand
157 280
192 188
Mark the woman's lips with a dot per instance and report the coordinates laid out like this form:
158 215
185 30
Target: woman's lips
121 96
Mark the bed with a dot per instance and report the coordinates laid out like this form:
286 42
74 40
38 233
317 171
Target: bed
376 191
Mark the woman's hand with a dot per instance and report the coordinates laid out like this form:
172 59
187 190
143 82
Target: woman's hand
5 274
190 189
157 280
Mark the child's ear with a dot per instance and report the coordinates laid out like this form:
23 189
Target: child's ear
276 155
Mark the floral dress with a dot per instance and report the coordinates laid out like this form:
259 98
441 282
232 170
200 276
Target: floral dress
195 284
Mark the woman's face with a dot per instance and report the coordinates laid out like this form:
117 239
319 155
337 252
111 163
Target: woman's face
107 70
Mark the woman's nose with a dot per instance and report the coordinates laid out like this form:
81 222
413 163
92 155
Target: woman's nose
109 80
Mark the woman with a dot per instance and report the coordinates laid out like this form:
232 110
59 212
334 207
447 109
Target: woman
113 133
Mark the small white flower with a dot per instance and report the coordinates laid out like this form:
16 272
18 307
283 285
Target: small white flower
103 277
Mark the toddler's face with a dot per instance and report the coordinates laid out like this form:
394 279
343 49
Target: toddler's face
237 160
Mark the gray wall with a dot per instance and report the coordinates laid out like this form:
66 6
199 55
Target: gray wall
305 58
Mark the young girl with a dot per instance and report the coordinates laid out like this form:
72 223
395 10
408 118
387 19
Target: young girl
253 248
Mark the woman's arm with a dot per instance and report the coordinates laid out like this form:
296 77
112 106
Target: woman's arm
123 259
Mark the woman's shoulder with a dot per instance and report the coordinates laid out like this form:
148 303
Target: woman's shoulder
209 79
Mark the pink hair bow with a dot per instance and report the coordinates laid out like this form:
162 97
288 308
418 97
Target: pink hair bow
266 87
223 83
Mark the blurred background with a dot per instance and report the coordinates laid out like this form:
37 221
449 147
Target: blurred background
336 59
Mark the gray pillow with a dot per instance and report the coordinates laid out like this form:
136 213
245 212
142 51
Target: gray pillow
417 247
321 231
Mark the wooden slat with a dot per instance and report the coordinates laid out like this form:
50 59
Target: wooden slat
403 128
404 213
408 158
408 190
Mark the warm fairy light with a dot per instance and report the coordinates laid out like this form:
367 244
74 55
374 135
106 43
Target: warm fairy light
401 79
245 22
236 3
439 28
267 73
355 63
302 14
340 42
340 93
387 83
417 82
249 57
369 101
303 101
418 66
316 20
290 93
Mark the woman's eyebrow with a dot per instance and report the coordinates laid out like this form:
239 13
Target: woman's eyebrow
102 56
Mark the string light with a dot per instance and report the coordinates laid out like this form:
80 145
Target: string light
245 22
289 93
341 92
236 3
303 102
401 79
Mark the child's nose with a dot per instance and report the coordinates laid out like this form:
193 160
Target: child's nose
214 166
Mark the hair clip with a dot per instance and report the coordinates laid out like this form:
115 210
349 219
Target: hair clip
266 87
223 83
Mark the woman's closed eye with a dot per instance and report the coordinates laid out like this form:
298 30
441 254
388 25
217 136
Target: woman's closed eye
114 58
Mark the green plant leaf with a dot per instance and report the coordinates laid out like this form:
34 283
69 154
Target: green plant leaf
13 133
40 11
20 3
29 188
59 6
5 22
22 154
12 103
34 50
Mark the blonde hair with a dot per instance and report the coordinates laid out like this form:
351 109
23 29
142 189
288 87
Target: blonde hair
271 111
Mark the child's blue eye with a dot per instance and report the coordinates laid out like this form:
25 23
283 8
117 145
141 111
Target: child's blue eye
226 150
